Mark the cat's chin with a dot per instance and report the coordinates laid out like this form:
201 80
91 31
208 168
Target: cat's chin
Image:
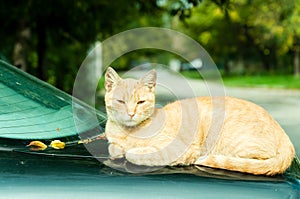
130 124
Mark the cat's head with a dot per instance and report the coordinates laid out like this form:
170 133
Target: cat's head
129 101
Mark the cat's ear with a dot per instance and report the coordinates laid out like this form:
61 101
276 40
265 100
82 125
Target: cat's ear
149 79
111 78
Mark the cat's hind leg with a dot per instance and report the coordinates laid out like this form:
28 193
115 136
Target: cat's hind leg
270 166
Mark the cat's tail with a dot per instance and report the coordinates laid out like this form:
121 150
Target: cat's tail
271 166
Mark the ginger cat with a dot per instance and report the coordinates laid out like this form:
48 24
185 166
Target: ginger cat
249 139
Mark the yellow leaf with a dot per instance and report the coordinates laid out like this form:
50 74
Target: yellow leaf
37 145
57 144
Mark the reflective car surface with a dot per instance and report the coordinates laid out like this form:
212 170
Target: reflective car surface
33 110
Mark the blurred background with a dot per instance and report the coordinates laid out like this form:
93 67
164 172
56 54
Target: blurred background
253 39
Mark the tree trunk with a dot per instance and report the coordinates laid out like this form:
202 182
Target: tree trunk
41 50
229 25
296 61
20 52
226 67
265 61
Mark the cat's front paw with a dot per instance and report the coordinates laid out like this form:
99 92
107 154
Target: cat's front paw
147 156
115 151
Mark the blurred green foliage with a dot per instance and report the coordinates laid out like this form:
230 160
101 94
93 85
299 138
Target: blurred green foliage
50 39
248 36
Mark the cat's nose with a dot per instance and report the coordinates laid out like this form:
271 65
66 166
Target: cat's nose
131 114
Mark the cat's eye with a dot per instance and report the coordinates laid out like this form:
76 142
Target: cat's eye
141 102
121 101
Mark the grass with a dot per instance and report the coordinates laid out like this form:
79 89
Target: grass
191 74
265 81
283 81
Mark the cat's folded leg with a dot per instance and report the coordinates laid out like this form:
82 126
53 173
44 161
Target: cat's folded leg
147 156
115 151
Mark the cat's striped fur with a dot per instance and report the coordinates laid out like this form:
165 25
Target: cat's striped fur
249 139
